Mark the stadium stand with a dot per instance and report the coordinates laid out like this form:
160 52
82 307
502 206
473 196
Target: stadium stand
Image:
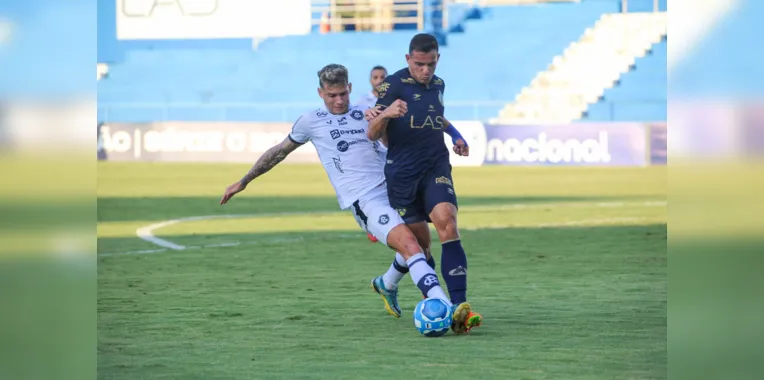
492 53
640 93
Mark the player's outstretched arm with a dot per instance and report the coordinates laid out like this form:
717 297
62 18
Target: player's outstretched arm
266 162
460 144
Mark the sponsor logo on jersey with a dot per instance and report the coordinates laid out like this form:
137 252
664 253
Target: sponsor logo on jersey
357 115
337 133
342 121
438 82
343 145
440 97
443 180
431 108
417 97
338 164
401 211
408 80
321 113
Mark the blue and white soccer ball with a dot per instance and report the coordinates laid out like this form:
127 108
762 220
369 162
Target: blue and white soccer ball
432 317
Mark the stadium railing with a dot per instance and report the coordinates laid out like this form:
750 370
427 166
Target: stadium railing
375 15
620 110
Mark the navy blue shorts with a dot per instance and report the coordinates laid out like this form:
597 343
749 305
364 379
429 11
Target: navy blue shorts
414 198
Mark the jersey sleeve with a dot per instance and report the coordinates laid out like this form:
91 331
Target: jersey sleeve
300 133
389 90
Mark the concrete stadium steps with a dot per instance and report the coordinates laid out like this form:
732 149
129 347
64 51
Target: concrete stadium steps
640 94
586 69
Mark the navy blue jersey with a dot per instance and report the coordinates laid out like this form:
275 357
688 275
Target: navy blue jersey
415 141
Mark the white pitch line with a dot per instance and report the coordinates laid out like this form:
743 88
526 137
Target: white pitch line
146 233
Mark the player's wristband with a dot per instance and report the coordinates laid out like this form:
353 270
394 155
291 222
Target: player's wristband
455 135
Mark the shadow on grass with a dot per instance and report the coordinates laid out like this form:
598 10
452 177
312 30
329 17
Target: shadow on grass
157 209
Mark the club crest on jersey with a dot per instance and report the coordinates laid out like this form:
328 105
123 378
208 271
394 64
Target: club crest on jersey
383 219
443 180
357 115
382 89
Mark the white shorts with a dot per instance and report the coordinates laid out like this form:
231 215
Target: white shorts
375 215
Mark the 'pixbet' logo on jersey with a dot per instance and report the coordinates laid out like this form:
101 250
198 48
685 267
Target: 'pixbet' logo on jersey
336 133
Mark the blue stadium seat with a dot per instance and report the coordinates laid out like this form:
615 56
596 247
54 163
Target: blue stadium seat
494 57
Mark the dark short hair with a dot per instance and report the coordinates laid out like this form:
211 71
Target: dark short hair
378 67
423 43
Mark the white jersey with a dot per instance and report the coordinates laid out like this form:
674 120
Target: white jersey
350 159
368 100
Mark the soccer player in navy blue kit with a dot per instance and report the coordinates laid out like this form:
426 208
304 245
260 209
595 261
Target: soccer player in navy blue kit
418 170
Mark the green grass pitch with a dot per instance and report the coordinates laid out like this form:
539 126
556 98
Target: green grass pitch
567 265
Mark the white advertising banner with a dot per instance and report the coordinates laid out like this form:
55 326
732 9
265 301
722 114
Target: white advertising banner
211 19
232 142
474 134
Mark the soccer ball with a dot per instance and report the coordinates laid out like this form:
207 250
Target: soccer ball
432 317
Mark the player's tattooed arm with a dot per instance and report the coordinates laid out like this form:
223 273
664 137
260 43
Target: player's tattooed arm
270 159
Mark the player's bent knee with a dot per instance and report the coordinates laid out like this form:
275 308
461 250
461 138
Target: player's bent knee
443 211
402 240
444 218
422 233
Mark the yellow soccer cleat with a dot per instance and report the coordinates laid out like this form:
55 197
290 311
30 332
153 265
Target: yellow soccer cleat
463 319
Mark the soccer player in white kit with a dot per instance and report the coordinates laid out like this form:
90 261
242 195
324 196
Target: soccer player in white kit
356 171
369 100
